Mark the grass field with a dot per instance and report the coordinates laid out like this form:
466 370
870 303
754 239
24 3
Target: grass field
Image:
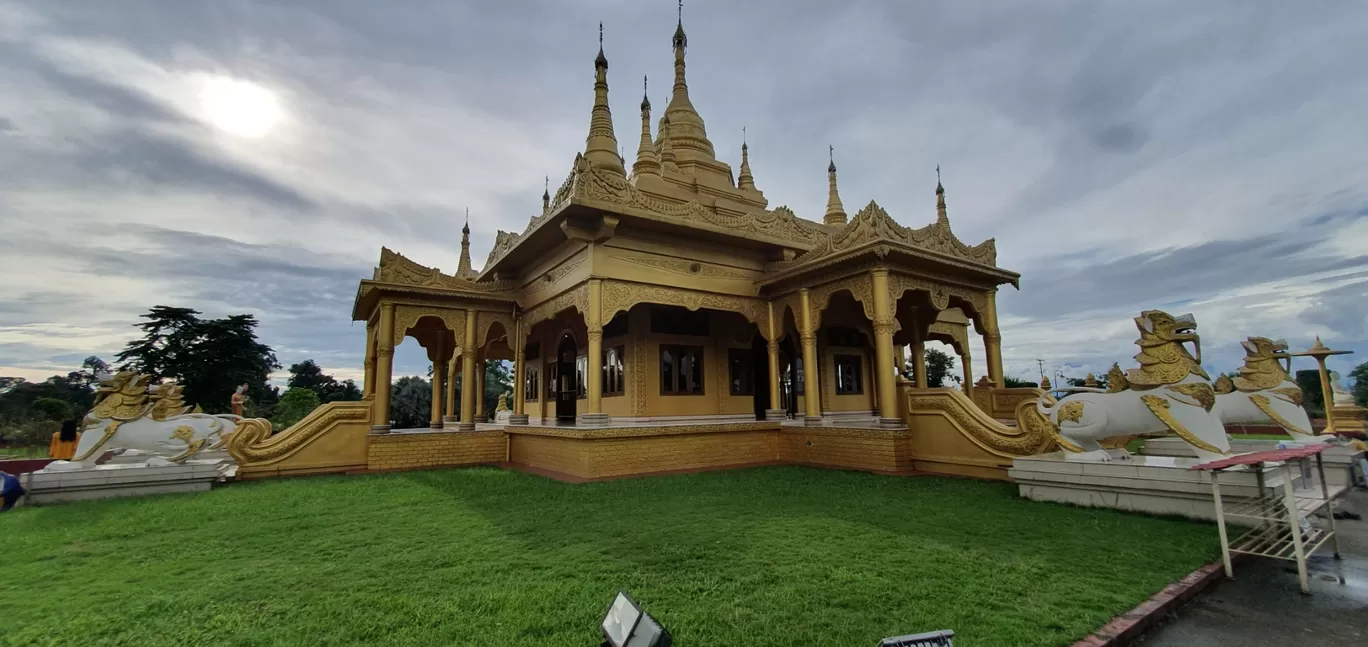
768 556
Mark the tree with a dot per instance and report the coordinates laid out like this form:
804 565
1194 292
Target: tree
1313 400
294 405
498 379
939 366
1360 389
410 402
209 357
1083 382
50 409
1017 383
308 375
91 370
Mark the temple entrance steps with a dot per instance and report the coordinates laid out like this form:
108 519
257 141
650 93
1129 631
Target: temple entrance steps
331 439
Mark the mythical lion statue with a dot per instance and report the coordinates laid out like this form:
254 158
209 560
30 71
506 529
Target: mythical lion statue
1168 391
1264 393
130 415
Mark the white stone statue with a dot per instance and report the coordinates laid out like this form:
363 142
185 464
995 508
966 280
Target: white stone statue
1264 393
1169 391
1342 398
129 416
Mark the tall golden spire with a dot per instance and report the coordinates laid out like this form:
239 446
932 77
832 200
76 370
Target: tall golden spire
646 162
601 148
745 180
686 125
464 269
835 212
941 217
546 196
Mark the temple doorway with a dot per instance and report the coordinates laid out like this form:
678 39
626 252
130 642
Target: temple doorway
760 370
790 380
567 391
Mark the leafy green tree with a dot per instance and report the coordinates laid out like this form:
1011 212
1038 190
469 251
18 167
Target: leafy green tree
51 409
1313 400
498 379
308 375
209 357
294 405
410 402
1017 383
16 404
939 366
1360 389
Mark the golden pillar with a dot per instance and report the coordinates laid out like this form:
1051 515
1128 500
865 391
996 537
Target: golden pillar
384 365
968 376
438 374
468 375
452 367
992 340
593 320
775 411
918 357
885 379
519 416
369 383
480 371
812 394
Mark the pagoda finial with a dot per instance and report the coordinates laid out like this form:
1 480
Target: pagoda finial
646 161
680 40
941 217
601 147
464 269
745 180
546 196
835 211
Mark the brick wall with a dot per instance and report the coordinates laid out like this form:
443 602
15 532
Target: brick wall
855 449
435 449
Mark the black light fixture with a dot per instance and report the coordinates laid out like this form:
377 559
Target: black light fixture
929 639
626 625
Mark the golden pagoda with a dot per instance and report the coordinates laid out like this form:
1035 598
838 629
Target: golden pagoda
667 302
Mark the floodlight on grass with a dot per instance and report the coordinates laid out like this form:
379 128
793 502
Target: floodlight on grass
929 639
626 625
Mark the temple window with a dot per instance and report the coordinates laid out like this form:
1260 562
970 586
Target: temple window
581 369
679 321
613 382
681 370
741 371
531 355
848 375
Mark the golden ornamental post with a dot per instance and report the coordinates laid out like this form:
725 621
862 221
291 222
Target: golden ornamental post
1320 351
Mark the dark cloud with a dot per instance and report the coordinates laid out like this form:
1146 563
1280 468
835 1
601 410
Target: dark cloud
7 125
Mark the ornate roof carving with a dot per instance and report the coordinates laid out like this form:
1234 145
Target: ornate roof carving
399 269
873 224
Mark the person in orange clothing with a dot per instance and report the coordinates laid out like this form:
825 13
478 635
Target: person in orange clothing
63 445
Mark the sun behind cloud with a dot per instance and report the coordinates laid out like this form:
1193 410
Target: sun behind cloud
239 107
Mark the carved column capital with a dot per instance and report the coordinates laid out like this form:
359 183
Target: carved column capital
992 335
596 335
384 351
772 347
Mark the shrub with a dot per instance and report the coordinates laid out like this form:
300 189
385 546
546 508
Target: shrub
293 406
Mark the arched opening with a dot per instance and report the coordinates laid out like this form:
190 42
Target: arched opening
565 381
791 363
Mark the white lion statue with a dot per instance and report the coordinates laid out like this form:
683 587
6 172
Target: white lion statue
1264 393
1169 391
129 416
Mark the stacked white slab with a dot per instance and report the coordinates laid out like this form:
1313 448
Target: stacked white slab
1150 484
1337 459
124 479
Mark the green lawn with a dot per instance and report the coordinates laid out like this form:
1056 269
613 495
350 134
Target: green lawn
31 451
768 556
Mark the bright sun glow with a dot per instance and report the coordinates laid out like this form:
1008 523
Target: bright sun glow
239 107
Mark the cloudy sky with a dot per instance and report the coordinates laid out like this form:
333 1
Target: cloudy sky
244 156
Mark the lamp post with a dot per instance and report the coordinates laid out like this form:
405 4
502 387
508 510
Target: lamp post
1320 352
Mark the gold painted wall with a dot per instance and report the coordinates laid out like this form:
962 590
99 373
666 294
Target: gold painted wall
862 449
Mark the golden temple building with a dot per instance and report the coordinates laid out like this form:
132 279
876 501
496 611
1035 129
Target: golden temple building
659 315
